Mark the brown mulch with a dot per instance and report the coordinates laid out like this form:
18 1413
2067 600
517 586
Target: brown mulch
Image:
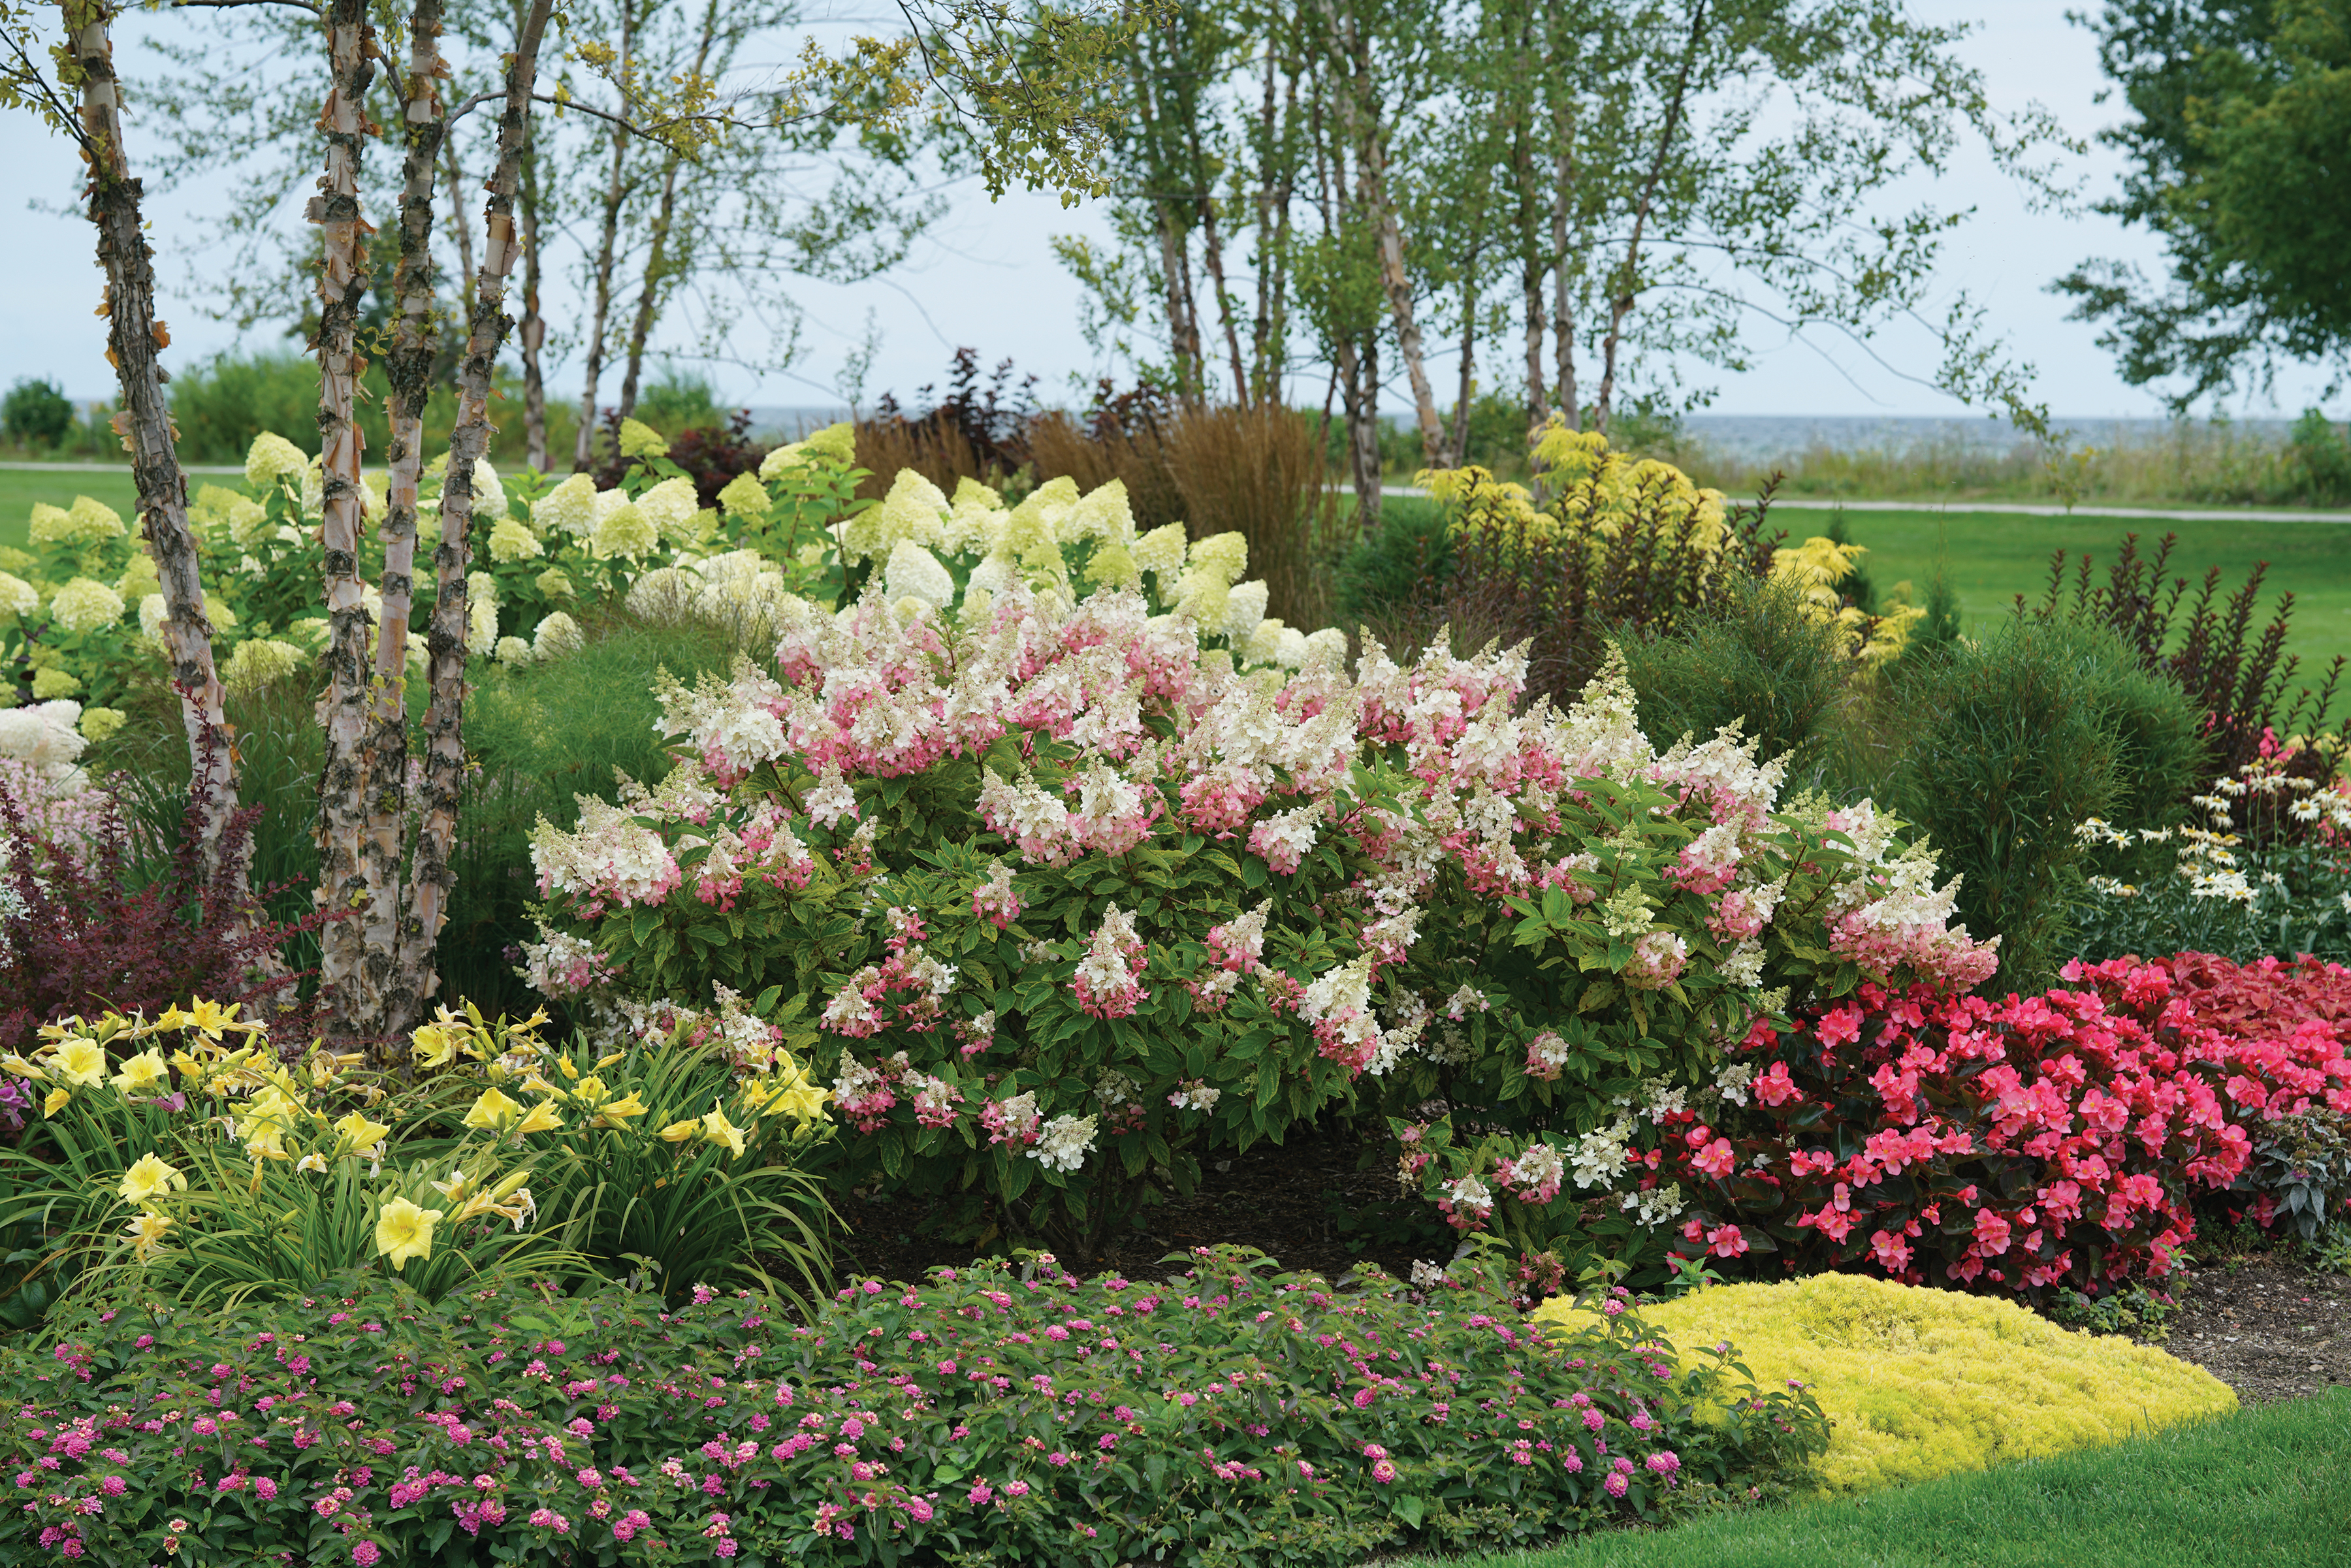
2265 1325
1311 1203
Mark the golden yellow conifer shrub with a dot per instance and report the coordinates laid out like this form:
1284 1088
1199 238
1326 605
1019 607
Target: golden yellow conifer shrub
1923 1382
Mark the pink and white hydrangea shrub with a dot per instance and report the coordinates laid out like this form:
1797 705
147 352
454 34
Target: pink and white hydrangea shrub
1255 893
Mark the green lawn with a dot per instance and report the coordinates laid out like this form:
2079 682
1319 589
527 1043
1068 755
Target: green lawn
2270 1485
1995 556
20 487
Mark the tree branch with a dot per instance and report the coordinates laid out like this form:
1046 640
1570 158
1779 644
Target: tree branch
225 5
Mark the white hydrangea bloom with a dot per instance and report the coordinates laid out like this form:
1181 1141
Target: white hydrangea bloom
624 531
260 661
1245 611
912 510
510 542
45 735
1103 513
913 572
270 456
568 508
1065 1143
1161 553
663 594
744 497
670 506
975 518
18 597
85 604
558 635
1323 650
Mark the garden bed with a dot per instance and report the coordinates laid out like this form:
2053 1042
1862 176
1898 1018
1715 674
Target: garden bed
1313 1203
2269 1328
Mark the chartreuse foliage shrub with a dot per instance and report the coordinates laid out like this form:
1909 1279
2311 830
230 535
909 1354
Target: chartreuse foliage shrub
179 1155
1070 900
1921 1382
1228 1415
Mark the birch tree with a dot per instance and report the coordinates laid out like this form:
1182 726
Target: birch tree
84 102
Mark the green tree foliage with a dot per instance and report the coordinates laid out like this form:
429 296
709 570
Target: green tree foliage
1380 187
2239 116
36 413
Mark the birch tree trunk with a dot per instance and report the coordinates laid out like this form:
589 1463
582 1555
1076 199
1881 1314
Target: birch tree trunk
343 785
1530 214
641 325
133 337
1562 302
409 367
616 194
1626 285
657 250
531 334
430 878
461 229
1360 117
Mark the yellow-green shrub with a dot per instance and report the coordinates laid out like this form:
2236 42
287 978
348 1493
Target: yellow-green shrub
1922 1383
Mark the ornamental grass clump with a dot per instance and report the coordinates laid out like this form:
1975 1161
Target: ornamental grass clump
1920 1383
1224 1414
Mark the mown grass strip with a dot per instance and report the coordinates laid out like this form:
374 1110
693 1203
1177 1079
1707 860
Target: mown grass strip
2269 1485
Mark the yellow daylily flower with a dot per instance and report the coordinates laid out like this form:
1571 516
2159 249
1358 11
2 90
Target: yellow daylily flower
457 1188
604 1061
357 1133
60 1098
720 1130
796 1097
590 1091
403 1232
312 1164
494 1111
436 1044
146 1233
144 1073
615 1113
209 1018
82 1061
148 1176
20 1067
542 1119
564 1062
326 1066
682 1131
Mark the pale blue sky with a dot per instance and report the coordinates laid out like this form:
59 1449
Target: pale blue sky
987 276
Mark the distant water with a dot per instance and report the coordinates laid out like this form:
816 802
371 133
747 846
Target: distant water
790 422
1755 437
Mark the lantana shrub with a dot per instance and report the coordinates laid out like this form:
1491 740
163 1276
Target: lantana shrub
1075 892
2040 1142
1228 1414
